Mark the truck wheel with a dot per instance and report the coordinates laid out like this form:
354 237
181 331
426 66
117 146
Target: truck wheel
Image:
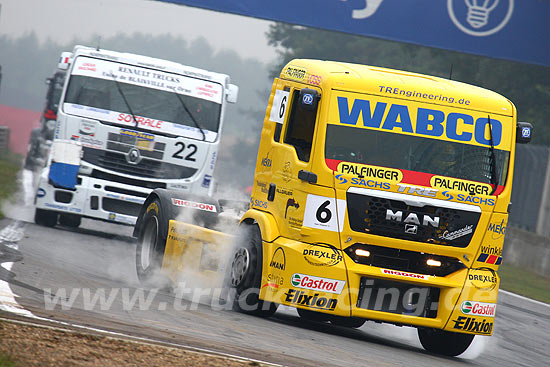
444 342
70 220
46 218
312 315
150 247
351 322
246 273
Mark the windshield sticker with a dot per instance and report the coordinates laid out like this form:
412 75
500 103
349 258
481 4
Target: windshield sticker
144 77
363 170
456 184
413 118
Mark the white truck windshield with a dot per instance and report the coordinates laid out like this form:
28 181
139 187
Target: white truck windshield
150 95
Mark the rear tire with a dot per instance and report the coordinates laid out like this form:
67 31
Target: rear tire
46 218
444 342
150 247
245 276
70 220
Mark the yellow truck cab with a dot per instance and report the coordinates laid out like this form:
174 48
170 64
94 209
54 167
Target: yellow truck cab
378 195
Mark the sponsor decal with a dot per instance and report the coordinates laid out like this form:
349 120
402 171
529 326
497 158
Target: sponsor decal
40 193
89 141
283 191
456 184
404 274
295 73
472 325
416 190
258 203
291 203
112 216
142 121
498 230
363 170
468 198
422 121
153 206
317 284
207 179
449 236
266 161
526 132
125 198
87 128
274 281
137 134
483 278
287 172
262 186
307 98
314 79
493 258
319 255
278 260
362 182
63 207
411 218
194 205
300 298
473 308
75 137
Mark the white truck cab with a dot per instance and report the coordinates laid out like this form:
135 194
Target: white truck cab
128 124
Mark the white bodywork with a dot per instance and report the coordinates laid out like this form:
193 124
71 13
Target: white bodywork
121 159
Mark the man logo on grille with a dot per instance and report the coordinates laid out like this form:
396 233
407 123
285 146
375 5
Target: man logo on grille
411 228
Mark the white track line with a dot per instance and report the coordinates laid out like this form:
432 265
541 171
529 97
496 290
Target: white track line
524 298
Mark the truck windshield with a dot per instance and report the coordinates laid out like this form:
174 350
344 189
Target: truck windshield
145 102
413 153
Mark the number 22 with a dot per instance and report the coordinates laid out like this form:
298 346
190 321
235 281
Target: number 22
190 156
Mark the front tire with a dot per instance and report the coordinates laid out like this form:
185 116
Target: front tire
444 342
70 220
150 247
46 218
246 274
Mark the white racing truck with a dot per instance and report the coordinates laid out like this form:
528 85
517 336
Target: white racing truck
128 124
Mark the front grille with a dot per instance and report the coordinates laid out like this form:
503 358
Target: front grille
120 207
398 297
127 181
146 167
404 260
397 219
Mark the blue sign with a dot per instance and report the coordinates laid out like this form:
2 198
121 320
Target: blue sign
508 29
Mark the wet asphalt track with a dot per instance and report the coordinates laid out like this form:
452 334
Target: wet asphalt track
100 257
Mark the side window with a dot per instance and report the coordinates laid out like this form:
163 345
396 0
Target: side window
301 123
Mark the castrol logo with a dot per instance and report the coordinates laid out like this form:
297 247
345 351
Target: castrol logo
478 308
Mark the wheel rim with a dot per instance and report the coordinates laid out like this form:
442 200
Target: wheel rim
149 242
239 266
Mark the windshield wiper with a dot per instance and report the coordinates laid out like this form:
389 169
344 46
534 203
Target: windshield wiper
494 171
124 98
191 115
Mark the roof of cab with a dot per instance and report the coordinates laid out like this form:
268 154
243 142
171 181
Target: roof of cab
396 83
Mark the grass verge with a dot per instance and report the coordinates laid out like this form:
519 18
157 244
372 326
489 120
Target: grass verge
524 282
6 361
9 167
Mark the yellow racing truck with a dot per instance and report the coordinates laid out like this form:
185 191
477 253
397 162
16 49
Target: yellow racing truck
378 195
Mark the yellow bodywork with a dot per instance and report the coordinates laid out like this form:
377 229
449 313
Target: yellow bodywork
305 226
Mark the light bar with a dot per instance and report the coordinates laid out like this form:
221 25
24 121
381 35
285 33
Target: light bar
361 252
432 262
